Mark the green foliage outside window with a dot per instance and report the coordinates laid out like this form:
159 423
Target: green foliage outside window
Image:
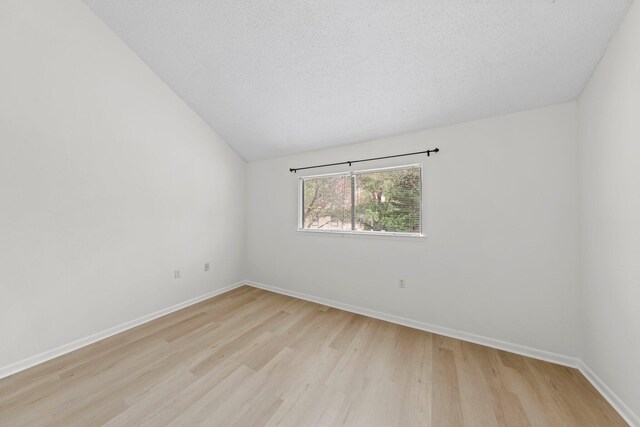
384 200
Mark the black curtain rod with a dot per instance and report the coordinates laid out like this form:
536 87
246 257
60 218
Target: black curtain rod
350 162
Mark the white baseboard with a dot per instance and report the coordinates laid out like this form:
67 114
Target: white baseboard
623 409
547 356
572 362
82 342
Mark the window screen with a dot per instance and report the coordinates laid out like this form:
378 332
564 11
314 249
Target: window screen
381 201
327 202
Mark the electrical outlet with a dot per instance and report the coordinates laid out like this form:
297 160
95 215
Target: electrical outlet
207 267
401 284
177 274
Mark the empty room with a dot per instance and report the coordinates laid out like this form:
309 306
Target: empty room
320 213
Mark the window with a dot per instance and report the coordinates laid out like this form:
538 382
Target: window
380 201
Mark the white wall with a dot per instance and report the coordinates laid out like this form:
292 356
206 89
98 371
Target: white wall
108 182
500 256
609 140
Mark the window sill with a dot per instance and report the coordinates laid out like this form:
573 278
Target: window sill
361 233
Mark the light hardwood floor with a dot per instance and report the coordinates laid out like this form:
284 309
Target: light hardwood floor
251 357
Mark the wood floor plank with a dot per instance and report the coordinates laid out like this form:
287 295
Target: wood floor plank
255 358
447 405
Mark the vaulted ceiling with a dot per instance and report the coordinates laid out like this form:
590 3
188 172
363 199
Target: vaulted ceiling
274 77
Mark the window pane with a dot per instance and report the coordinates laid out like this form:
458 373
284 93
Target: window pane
389 201
327 203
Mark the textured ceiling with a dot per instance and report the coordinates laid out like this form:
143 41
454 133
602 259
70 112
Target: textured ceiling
274 77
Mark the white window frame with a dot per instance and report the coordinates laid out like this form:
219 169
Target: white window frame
300 214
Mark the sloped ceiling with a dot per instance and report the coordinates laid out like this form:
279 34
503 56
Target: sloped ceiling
274 77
